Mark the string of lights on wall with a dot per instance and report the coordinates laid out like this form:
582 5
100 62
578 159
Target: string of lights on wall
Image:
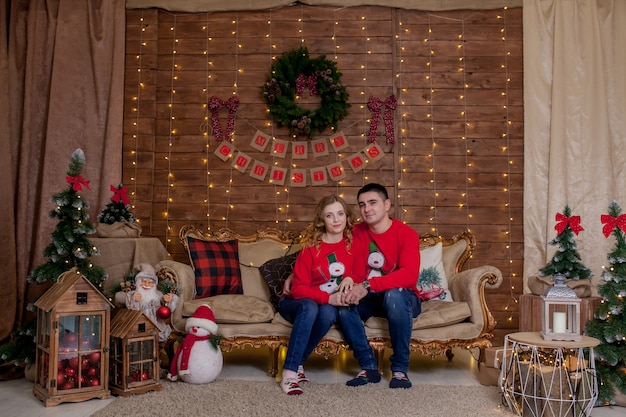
282 193
137 101
464 198
507 149
269 125
364 92
172 133
204 128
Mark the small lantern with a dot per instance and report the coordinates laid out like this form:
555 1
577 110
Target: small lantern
134 353
560 312
72 341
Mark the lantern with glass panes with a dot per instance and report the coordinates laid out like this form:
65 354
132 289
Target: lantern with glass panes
72 341
560 312
134 353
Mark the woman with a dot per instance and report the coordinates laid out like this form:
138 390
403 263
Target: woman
323 270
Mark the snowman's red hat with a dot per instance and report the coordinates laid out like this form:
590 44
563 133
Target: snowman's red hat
204 318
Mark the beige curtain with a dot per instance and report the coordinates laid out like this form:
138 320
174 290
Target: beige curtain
575 122
63 63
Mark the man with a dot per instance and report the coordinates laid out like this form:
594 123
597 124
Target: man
148 298
390 290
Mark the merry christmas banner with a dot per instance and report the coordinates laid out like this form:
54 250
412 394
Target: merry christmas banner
299 150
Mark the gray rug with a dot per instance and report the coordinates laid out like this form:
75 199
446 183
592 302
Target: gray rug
253 398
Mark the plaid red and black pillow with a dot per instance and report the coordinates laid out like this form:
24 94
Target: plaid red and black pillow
216 267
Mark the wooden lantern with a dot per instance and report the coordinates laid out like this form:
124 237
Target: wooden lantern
134 353
560 312
72 341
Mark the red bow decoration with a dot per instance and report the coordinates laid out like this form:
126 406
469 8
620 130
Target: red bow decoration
120 194
309 82
77 182
564 221
215 104
610 222
375 105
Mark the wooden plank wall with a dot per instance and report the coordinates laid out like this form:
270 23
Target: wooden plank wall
457 160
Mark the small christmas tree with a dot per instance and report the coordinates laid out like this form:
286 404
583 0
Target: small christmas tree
70 246
118 210
566 260
609 324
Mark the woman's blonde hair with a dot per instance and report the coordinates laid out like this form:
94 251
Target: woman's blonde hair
314 231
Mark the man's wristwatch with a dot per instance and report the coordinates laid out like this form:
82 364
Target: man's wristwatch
366 285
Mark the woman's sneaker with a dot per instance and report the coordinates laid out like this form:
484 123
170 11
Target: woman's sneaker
399 380
366 376
301 375
290 386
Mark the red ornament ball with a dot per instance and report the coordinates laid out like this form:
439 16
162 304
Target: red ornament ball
164 312
94 358
60 379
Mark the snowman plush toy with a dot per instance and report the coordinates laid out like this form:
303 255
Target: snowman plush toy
198 359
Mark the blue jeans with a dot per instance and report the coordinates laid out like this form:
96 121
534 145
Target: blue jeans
399 306
310 323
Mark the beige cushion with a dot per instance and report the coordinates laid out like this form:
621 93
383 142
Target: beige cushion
233 308
435 313
251 256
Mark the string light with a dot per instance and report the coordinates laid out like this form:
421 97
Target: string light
172 132
205 126
463 98
282 193
507 173
364 95
431 98
229 205
134 151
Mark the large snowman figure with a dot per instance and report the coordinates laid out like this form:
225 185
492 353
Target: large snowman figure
198 360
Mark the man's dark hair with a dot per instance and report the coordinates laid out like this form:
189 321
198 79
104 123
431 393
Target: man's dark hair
380 189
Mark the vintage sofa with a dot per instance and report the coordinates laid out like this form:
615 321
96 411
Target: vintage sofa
266 257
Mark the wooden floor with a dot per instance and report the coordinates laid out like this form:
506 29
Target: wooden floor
17 399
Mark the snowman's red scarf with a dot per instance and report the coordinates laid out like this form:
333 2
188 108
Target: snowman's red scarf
184 349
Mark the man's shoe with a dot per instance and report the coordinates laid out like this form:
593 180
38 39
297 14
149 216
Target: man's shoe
366 376
400 380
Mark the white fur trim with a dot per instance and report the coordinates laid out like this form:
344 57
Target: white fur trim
209 325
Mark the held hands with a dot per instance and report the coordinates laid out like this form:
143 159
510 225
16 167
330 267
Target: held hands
346 285
337 298
356 293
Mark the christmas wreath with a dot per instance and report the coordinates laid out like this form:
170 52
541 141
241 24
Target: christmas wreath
290 75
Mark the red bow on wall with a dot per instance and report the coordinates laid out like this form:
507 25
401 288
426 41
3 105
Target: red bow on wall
215 104
610 222
375 105
119 194
77 182
564 221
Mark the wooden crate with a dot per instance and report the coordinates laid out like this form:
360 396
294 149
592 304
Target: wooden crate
530 312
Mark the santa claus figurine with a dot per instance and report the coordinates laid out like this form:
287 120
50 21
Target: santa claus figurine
149 299
198 359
